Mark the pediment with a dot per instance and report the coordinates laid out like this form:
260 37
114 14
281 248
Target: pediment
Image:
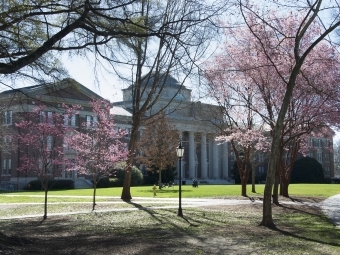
67 89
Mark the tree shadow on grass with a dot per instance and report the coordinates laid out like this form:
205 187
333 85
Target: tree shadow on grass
320 233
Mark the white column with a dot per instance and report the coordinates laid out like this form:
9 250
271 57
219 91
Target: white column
204 172
191 155
215 160
225 159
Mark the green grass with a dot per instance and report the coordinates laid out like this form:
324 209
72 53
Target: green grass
317 190
231 229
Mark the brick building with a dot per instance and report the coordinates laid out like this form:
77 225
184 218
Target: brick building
17 102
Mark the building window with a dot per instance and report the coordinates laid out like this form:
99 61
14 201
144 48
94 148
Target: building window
66 120
128 132
88 121
327 171
9 166
319 156
95 121
46 117
91 121
7 117
326 157
69 174
73 120
261 157
232 156
49 142
70 120
319 144
261 170
6 166
7 143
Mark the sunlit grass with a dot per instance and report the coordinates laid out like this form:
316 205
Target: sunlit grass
203 191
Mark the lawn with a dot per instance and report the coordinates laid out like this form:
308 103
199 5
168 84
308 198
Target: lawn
205 230
203 191
217 229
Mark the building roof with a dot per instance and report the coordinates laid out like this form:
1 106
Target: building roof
66 88
116 110
162 79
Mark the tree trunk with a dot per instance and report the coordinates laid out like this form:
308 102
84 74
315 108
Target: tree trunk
160 179
284 187
276 187
126 193
45 204
253 173
94 194
267 218
44 184
287 170
244 187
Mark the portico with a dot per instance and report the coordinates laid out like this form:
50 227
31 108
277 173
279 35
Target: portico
204 158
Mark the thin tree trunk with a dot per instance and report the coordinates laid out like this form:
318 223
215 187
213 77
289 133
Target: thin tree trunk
253 175
45 204
160 179
44 184
94 194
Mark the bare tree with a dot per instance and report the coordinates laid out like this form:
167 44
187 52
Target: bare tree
31 32
153 62
157 146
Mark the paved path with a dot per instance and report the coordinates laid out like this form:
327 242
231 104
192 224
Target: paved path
331 207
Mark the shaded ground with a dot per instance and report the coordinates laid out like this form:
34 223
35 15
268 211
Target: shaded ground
216 229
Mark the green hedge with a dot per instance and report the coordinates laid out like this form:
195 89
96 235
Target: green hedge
307 170
52 185
117 179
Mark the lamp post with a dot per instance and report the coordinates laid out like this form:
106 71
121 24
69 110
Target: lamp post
180 153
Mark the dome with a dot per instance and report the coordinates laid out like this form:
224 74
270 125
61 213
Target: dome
170 81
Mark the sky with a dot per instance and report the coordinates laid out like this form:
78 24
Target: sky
82 72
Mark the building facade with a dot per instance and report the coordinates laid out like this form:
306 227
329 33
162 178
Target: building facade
17 103
204 159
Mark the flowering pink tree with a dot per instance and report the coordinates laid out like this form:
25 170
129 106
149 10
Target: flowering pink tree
277 54
99 146
245 142
40 137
